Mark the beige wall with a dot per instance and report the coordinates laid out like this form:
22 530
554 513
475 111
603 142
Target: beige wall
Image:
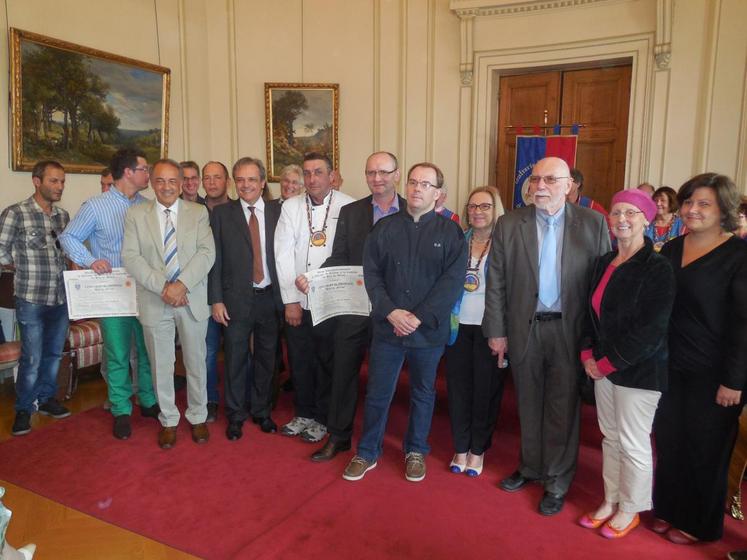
398 66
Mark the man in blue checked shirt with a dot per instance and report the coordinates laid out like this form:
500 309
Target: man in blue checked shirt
100 221
28 242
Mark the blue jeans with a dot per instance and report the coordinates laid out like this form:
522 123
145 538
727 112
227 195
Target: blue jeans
212 341
384 367
43 332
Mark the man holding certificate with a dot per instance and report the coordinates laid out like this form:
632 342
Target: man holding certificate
413 263
168 248
303 241
100 222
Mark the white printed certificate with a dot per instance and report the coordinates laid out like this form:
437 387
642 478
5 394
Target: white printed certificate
337 290
91 295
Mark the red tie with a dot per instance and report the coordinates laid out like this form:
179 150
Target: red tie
257 272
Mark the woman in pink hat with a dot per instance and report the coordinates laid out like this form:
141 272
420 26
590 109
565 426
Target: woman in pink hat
625 352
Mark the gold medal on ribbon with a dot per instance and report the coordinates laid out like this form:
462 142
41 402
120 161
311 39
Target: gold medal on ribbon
318 239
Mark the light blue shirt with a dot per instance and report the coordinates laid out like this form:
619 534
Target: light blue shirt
541 217
100 221
378 213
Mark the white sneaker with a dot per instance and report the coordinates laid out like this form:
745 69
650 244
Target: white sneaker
314 432
296 426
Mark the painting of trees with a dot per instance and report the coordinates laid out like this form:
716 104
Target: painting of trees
293 112
75 104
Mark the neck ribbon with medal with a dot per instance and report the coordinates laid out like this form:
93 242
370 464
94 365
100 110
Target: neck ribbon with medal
659 240
318 238
472 278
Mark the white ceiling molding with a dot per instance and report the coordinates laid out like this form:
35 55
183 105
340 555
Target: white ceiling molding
513 7
663 47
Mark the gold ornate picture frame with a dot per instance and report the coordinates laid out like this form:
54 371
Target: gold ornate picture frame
300 118
79 105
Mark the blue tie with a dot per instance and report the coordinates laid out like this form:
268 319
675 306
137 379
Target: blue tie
169 249
548 284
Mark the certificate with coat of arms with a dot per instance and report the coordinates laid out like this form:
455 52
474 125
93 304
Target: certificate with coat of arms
337 290
91 295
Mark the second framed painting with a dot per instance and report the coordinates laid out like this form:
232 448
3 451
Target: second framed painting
300 118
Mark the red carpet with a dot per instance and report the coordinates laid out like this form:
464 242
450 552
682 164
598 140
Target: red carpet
261 497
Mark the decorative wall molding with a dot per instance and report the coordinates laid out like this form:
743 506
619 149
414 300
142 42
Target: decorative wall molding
466 26
663 47
513 7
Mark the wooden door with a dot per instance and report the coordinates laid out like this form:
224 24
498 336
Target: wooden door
523 101
600 99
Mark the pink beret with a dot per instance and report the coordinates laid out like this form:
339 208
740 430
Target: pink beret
639 199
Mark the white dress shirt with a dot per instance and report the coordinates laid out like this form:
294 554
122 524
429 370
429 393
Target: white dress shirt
259 211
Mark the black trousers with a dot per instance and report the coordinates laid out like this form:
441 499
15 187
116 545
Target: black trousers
474 385
547 393
310 353
694 440
351 338
263 324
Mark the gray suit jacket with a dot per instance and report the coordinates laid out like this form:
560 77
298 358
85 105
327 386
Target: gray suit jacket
142 255
513 275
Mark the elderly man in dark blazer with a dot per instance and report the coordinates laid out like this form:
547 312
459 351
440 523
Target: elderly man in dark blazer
352 333
535 305
244 296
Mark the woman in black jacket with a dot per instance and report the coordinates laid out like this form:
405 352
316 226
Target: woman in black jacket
625 352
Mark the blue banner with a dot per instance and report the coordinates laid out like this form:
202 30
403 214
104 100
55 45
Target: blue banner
529 150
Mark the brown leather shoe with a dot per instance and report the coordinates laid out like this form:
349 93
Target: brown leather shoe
167 437
329 450
200 433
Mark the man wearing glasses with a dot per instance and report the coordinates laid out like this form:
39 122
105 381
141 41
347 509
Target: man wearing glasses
29 243
535 304
413 265
100 221
352 332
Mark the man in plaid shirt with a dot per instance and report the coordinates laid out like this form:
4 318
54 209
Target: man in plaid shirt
28 241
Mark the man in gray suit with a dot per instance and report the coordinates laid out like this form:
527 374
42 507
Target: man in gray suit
168 248
536 300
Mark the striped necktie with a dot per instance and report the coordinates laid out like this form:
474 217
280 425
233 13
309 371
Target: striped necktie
169 249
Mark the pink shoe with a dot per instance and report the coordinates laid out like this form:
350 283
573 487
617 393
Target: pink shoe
589 522
609 532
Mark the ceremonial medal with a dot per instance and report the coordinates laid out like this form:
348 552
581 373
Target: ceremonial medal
471 280
658 245
318 239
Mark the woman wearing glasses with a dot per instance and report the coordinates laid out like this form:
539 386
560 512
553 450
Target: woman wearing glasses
474 382
624 350
697 421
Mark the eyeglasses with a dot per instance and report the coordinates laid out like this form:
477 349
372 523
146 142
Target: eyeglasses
53 233
383 173
548 179
143 169
485 206
425 184
629 214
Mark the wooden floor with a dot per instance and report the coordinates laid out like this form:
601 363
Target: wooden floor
62 533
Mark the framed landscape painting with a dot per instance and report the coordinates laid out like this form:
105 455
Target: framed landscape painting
300 118
79 105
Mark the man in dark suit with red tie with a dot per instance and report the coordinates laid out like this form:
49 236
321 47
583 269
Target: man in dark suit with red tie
244 296
352 332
